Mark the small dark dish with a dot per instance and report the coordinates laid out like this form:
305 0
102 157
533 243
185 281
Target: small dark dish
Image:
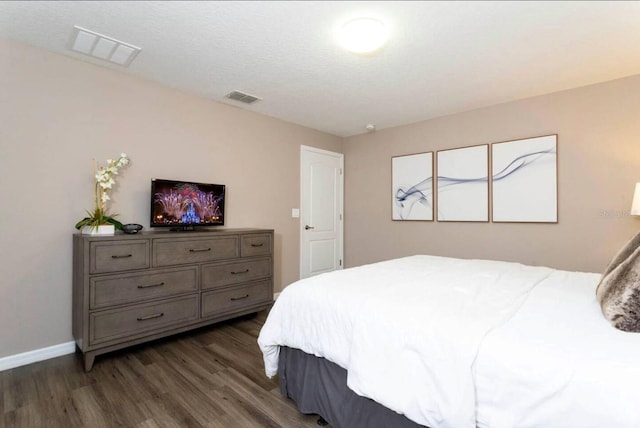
131 228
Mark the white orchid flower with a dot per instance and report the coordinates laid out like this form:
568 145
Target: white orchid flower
104 179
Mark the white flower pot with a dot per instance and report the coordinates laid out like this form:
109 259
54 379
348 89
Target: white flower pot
105 229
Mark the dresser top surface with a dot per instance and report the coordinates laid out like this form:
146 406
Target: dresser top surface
119 235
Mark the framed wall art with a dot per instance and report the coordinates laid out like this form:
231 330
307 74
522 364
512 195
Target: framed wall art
462 183
412 187
525 180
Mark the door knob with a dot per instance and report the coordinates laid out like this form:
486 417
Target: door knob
307 227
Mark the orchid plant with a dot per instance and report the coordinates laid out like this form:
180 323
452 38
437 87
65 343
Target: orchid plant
104 181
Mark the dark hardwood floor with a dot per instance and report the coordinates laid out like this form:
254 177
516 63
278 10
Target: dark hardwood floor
211 377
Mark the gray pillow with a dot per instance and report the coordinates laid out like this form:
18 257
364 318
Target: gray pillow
619 290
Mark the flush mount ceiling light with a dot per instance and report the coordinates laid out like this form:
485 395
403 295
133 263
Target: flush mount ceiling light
102 47
363 35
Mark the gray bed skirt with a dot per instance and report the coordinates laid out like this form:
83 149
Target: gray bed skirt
319 386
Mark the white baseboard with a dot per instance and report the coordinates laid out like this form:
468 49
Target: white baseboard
275 296
36 355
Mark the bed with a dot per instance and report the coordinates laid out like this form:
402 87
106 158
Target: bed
451 343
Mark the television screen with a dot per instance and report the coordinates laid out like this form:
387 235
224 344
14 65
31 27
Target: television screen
183 205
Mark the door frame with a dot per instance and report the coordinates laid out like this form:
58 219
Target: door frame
339 208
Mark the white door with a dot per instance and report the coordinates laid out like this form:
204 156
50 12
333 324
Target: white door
321 200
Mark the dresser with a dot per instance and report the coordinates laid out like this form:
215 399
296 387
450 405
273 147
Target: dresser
129 289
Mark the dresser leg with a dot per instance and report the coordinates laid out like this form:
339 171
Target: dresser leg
89 358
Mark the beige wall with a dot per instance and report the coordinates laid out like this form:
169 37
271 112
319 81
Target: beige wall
58 113
598 131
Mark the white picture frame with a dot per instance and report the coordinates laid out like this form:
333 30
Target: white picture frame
412 187
525 180
463 184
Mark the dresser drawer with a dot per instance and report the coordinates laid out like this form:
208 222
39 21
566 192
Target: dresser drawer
129 288
255 245
168 252
134 320
218 302
222 274
113 256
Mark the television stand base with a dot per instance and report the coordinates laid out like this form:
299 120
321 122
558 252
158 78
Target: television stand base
183 229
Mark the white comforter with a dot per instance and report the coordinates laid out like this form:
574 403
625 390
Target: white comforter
407 331
465 343
558 363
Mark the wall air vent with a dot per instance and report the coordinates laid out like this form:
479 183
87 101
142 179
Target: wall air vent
242 97
102 47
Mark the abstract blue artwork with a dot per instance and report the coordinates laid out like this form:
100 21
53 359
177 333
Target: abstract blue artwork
412 187
463 185
525 182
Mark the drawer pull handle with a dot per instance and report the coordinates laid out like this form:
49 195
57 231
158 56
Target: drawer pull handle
122 257
257 245
151 285
240 298
150 317
240 271
201 250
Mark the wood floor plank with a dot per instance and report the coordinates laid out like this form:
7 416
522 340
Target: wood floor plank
244 409
3 387
167 414
91 413
113 400
2 412
243 361
199 355
211 377
13 390
67 413
272 406
149 423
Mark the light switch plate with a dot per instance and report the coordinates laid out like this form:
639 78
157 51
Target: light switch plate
295 212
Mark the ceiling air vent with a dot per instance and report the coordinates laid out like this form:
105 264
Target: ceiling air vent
102 47
242 97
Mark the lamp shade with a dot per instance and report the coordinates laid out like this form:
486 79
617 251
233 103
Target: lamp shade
635 205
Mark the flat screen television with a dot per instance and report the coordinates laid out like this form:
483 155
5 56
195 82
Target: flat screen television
184 205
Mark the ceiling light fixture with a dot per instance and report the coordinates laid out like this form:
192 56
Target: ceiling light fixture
363 35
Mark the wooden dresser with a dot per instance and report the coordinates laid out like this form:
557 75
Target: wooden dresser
129 289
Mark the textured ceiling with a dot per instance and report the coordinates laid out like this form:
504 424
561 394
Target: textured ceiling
442 57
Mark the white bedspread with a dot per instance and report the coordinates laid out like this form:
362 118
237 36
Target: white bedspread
559 363
407 331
